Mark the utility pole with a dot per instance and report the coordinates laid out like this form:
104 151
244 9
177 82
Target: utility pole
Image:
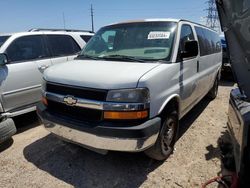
64 26
212 18
92 17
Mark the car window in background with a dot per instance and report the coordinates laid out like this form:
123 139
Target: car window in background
62 45
27 48
141 40
223 42
3 39
86 38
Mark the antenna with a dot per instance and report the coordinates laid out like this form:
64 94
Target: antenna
92 17
212 18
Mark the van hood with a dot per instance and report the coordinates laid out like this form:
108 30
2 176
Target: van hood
98 74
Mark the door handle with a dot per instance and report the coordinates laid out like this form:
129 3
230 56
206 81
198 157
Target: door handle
43 67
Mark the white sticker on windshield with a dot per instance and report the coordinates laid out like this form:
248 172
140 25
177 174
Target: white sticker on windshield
158 35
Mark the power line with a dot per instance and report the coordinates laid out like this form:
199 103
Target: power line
212 18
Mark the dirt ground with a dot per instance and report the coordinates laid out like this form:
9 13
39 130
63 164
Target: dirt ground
35 158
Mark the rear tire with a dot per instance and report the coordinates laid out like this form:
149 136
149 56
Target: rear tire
212 94
164 145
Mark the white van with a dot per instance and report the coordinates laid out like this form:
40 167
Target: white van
131 85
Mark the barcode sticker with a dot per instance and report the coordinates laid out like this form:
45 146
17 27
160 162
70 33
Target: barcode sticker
158 35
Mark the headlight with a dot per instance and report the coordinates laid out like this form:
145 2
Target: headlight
138 95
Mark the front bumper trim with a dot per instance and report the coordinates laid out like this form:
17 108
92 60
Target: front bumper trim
101 142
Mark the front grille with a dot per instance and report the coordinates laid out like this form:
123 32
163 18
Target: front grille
73 112
80 92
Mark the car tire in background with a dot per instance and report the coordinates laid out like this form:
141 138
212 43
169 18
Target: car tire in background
7 129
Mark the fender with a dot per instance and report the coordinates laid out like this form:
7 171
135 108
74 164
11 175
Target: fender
167 101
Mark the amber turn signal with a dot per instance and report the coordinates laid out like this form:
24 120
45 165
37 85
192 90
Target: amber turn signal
125 115
44 101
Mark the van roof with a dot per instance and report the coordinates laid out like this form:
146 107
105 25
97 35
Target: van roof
148 20
160 20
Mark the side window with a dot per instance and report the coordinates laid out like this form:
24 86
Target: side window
201 40
86 38
62 45
3 39
217 42
209 41
186 35
27 48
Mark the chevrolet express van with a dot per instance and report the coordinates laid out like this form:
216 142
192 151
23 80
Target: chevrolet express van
131 85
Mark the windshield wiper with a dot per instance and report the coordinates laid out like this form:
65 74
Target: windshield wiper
84 56
123 57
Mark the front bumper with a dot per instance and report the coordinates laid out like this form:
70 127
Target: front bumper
102 136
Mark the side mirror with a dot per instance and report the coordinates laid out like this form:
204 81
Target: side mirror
191 49
3 59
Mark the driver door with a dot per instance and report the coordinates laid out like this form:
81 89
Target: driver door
188 71
20 85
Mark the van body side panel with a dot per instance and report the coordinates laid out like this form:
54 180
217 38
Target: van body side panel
189 79
166 80
208 70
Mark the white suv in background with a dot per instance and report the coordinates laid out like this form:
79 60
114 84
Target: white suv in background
24 57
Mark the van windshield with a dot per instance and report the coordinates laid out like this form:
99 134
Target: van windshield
3 39
144 41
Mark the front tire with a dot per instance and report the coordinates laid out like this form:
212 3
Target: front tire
164 145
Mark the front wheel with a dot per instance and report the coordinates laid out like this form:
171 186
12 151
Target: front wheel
164 145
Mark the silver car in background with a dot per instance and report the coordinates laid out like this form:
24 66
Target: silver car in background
24 57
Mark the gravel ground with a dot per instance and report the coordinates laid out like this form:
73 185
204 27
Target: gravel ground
35 158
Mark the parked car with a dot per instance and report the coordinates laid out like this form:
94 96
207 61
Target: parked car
24 57
132 84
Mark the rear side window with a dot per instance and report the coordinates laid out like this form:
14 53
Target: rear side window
209 41
202 42
27 48
62 45
86 38
3 39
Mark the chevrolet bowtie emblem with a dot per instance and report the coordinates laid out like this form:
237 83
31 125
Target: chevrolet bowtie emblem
70 100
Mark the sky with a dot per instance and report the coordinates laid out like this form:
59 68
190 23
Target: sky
22 15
